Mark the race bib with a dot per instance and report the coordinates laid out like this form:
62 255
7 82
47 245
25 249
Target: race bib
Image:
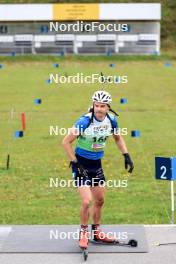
98 146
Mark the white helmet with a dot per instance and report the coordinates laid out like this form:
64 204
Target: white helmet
102 97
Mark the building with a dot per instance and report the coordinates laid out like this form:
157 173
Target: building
45 28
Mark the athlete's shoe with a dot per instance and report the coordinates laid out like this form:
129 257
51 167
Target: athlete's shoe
83 238
99 236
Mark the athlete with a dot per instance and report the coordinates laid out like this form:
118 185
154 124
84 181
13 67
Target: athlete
91 132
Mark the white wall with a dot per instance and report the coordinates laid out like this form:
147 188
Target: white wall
130 11
26 12
39 12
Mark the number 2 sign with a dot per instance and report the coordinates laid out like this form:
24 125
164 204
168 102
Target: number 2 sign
165 168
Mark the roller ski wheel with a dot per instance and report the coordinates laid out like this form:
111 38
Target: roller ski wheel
133 243
85 253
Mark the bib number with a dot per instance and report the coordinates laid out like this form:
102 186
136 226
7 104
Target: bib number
99 143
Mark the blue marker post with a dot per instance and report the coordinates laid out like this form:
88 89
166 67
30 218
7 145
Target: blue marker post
13 54
117 79
123 100
18 134
165 169
112 65
168 64
38 101
56 65
48 81
135 133
62 53
109 53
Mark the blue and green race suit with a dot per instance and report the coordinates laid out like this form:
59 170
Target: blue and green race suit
93 135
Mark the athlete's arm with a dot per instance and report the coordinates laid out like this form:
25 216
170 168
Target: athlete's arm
120 143
122 146
67 143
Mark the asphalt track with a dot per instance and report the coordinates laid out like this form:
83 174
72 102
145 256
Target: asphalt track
162 254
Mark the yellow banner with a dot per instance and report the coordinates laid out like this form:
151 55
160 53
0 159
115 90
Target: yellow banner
76 12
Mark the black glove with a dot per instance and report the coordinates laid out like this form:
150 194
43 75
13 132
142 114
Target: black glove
128 162
76 167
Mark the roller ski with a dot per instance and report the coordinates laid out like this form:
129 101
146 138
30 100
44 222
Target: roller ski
101 238
83 243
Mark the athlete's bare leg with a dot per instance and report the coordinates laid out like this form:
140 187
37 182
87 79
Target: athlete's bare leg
86 197
98 194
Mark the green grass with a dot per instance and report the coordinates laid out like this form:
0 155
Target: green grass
25 195
166 54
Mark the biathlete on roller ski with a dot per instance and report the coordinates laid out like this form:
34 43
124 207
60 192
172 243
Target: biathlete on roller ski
91 132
